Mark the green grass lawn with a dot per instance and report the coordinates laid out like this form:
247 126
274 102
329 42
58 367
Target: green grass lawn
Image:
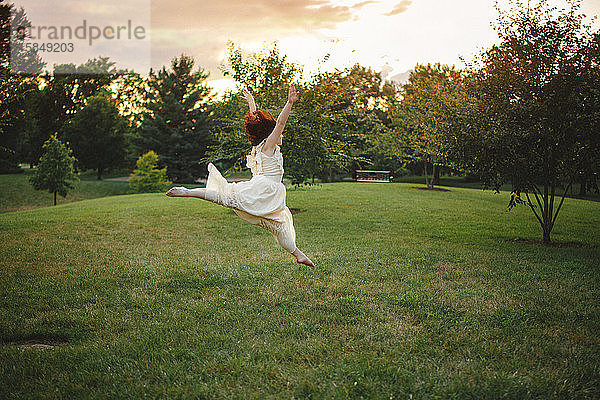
416 294
460 181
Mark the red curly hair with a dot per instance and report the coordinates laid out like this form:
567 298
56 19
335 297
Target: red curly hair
259 124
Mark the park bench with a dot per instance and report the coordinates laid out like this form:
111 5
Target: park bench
372 176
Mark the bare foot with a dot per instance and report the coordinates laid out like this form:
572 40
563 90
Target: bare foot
305 261
302 259
178 191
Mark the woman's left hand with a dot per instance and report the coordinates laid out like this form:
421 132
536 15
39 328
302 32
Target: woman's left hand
247 96
292 94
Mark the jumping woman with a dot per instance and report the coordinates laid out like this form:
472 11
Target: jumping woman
261 200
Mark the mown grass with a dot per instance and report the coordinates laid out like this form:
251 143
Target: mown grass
18 194
416 294
461 181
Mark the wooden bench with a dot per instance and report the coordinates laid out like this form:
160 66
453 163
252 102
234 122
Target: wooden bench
372 176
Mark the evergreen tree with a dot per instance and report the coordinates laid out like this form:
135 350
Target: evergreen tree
176 125
55 171
147 177
97 134
14 55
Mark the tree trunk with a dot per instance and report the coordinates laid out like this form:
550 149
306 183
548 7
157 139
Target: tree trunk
548 215
54 198
545 218
546 237
582 186
100 170
426 176
436 175
330 174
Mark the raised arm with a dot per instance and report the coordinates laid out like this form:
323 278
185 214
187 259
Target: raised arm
250 100
275 136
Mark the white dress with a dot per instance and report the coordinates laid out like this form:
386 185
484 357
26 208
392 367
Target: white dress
259 201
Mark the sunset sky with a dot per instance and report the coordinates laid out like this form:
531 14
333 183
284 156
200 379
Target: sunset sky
390 36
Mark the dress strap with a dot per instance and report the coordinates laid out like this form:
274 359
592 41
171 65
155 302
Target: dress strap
254 159
262 143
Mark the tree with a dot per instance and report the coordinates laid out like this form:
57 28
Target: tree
331 126
55 171
57 97
267 74
5 11
227 127
14 93
148 177
532 114
34 119
14 87
422 116
97 134
341 114
14 55
70 85
176 123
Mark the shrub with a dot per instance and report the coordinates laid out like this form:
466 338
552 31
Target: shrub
148 177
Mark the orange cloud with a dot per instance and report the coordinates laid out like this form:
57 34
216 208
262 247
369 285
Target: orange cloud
253 16
364 3
201 28
400 7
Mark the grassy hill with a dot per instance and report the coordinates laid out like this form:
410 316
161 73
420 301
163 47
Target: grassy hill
16 193
415 293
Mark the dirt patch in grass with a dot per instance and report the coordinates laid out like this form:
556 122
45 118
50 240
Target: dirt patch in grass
435 188
41 344
551 244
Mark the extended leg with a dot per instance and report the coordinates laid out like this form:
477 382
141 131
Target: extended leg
181 191
205 194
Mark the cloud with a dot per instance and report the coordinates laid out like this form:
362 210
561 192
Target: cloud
364 3
58 16
400 7
201 28
249 17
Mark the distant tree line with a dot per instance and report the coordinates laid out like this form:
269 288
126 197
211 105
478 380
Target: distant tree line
524 112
